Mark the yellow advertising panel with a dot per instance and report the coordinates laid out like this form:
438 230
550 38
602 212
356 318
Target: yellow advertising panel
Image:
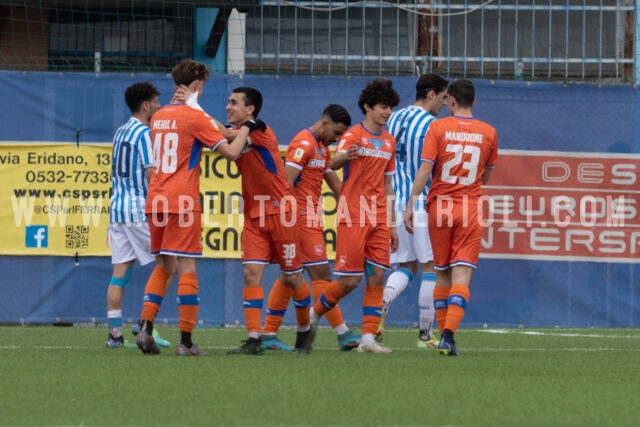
55 201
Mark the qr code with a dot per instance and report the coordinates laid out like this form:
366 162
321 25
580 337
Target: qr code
77 236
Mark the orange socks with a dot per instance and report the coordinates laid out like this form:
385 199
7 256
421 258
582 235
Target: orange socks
302 300
252 300
440 302
371 309
458 299
333 316
188 301
154 293
329 298
276 307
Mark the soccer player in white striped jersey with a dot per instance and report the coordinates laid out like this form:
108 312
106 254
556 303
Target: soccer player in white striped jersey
409 126
128 234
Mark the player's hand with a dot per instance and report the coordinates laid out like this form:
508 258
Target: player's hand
182 93
395 242
408 219
255 124
352 152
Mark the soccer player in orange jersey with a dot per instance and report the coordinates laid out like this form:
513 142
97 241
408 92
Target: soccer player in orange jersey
307 166
270 231
365 214
461 151
178 134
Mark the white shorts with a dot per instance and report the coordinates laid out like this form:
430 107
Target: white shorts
416 246
129 242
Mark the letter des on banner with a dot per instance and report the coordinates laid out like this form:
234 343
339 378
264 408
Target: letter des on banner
568 206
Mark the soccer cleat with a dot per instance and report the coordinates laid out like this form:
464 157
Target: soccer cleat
115 342
159 340
129 344
183 350
313 330
373 347
249 346
145 342
272 342
135 330
431 342
447 345
348 341
383 317
304 342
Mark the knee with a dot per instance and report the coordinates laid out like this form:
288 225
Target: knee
293 281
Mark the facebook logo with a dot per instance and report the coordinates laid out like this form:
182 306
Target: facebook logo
37 236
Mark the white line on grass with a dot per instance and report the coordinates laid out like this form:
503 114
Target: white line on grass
555 334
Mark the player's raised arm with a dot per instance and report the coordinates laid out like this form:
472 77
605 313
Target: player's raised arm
231 150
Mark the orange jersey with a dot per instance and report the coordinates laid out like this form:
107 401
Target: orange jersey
178 133
310 156
265 190
460 149
363 191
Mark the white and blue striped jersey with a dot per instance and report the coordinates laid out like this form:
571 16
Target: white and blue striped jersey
409 126
130 157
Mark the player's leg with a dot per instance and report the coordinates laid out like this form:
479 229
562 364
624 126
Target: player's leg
349 267
377 263
424 254
188 305
187 235
115 292
426 307
285 243
314 258
440 237
139 238
320 275
122 258
465 251
256 254
277 303
406 259
397 282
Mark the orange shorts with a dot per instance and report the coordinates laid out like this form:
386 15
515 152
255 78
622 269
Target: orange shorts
267 239
455 235
176 234
312 246
357 245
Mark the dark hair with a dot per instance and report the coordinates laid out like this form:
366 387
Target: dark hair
379 91
188 71
138 93
463 91
337 114
251 97
428 82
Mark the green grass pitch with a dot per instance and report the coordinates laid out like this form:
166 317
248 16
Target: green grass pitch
57 376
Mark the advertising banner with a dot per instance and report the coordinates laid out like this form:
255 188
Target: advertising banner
563 206
56 201
538 205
